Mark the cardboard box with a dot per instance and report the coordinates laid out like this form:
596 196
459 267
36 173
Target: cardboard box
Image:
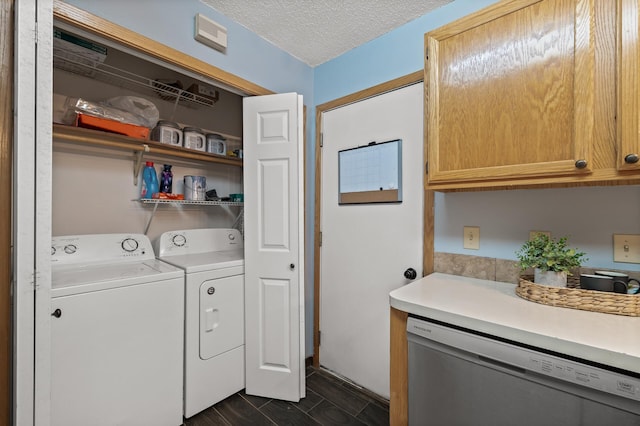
75 54
204 91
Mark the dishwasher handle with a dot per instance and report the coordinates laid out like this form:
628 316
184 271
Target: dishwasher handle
496 363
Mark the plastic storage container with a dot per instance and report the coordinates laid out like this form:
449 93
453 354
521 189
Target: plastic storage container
194 138
167 132
216 144
149 181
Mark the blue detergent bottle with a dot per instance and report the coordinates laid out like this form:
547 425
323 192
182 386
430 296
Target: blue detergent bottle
149 181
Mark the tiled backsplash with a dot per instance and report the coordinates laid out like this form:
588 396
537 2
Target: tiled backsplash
489 268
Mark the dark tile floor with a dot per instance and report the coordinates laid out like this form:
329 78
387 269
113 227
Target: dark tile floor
329 401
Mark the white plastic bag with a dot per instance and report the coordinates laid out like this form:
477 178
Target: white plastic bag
141 107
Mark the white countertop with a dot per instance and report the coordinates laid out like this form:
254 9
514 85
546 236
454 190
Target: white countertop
494 308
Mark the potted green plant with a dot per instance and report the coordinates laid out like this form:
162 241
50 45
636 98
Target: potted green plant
551 259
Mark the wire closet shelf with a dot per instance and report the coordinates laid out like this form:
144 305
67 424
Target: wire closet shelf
127 80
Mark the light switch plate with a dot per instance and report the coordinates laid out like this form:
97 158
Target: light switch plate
626 248
471 237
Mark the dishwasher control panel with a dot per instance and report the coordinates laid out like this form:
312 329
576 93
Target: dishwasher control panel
585 375
508 355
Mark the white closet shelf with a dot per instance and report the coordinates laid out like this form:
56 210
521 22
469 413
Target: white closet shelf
199 202
239 219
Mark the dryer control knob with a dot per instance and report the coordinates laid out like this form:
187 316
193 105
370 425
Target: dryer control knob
179 240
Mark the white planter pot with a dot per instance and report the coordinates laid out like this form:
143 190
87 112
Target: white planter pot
555 279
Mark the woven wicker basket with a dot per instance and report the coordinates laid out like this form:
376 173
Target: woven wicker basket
576 298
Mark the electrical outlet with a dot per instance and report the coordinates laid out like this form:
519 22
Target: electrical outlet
471 237
626 248
532 234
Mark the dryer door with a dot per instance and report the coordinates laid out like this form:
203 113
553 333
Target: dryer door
221 315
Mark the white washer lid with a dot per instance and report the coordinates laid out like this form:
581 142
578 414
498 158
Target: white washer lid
75 279
209 261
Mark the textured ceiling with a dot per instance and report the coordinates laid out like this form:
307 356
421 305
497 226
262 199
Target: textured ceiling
316 31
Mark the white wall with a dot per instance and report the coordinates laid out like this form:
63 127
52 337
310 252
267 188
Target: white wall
93 193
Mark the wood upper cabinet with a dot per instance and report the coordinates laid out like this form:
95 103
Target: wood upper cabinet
532 93
510 92
628 67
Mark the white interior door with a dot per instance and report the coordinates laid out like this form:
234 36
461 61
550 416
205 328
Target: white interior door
366 248
274 246
31 199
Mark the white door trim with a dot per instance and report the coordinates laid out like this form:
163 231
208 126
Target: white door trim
43 196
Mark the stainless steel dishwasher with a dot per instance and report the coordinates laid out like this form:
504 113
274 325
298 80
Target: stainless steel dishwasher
459 377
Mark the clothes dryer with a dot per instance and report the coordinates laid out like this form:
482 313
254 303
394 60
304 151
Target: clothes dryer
213 261
116 333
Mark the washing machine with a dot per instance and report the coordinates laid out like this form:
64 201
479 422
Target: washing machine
213 261
116 333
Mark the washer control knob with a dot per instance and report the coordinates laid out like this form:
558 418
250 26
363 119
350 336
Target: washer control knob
129 244
70 249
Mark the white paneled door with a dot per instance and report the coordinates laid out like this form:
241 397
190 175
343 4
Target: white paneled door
274 246
31 199
366 248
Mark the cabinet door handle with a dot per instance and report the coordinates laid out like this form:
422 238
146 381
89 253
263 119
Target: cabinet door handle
631 158
57 313
581 164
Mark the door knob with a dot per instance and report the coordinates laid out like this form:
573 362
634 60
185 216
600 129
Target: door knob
410 274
